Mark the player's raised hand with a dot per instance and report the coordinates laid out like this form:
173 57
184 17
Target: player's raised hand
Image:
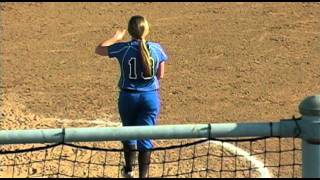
120 34
101 48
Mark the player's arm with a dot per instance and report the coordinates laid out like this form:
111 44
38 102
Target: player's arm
162 58
160 72
102 48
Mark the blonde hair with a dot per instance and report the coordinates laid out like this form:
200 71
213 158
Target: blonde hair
136 28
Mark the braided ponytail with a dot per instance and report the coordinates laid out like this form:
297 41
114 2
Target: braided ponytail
147 61
136 28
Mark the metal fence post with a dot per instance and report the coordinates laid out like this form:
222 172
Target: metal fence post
310 126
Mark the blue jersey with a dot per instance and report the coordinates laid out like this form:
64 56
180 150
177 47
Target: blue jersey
129 58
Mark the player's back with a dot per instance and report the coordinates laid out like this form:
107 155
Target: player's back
129 58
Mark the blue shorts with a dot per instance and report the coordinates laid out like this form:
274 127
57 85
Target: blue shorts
139 109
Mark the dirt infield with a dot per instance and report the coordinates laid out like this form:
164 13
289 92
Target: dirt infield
228 62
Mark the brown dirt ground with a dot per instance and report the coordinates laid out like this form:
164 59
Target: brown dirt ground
229 62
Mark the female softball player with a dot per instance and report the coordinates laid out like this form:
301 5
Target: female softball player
142 66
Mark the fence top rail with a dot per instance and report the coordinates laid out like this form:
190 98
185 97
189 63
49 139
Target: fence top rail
219 130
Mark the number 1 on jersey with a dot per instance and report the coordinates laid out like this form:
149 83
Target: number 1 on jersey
133 68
